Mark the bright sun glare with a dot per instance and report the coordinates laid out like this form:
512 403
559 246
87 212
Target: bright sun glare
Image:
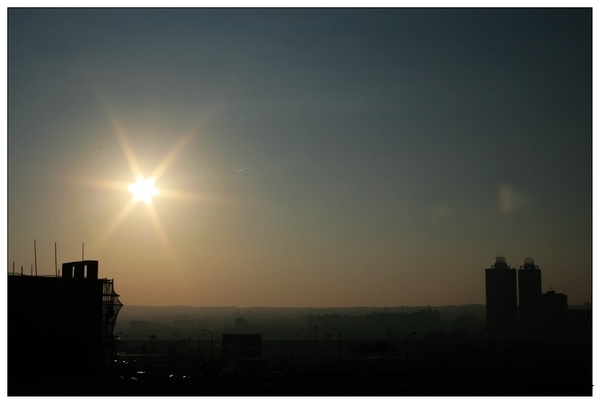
143 189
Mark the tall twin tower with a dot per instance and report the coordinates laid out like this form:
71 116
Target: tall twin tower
533 312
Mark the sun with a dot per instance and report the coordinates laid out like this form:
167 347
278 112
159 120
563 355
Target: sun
143 190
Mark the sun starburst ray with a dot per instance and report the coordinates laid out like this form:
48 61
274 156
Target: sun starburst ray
191 196
160 230
100 183
166 162
116 222
133 165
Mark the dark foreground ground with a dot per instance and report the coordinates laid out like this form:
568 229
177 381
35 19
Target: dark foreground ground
307 383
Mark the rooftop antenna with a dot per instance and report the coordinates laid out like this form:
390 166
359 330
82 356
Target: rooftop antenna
82 246
55 262
35 257
21 270
13 267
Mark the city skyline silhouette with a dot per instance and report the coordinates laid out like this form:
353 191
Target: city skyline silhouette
539 347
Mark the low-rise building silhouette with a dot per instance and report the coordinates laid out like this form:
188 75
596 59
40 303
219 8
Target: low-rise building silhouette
242 349
554 315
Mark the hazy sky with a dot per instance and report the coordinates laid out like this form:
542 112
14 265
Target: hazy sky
304 157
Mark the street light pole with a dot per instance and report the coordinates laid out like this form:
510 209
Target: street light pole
340 344
211 342
355 337
412 333
200 345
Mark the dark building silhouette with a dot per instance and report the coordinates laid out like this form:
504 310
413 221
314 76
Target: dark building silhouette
541 316
242 349
60 327
501 298
241 324
554 315
530 292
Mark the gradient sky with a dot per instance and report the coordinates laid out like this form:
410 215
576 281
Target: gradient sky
305 157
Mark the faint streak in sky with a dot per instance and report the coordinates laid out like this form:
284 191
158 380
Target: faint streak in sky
245 168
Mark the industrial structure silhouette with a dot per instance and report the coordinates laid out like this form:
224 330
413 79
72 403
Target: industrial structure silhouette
60 326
